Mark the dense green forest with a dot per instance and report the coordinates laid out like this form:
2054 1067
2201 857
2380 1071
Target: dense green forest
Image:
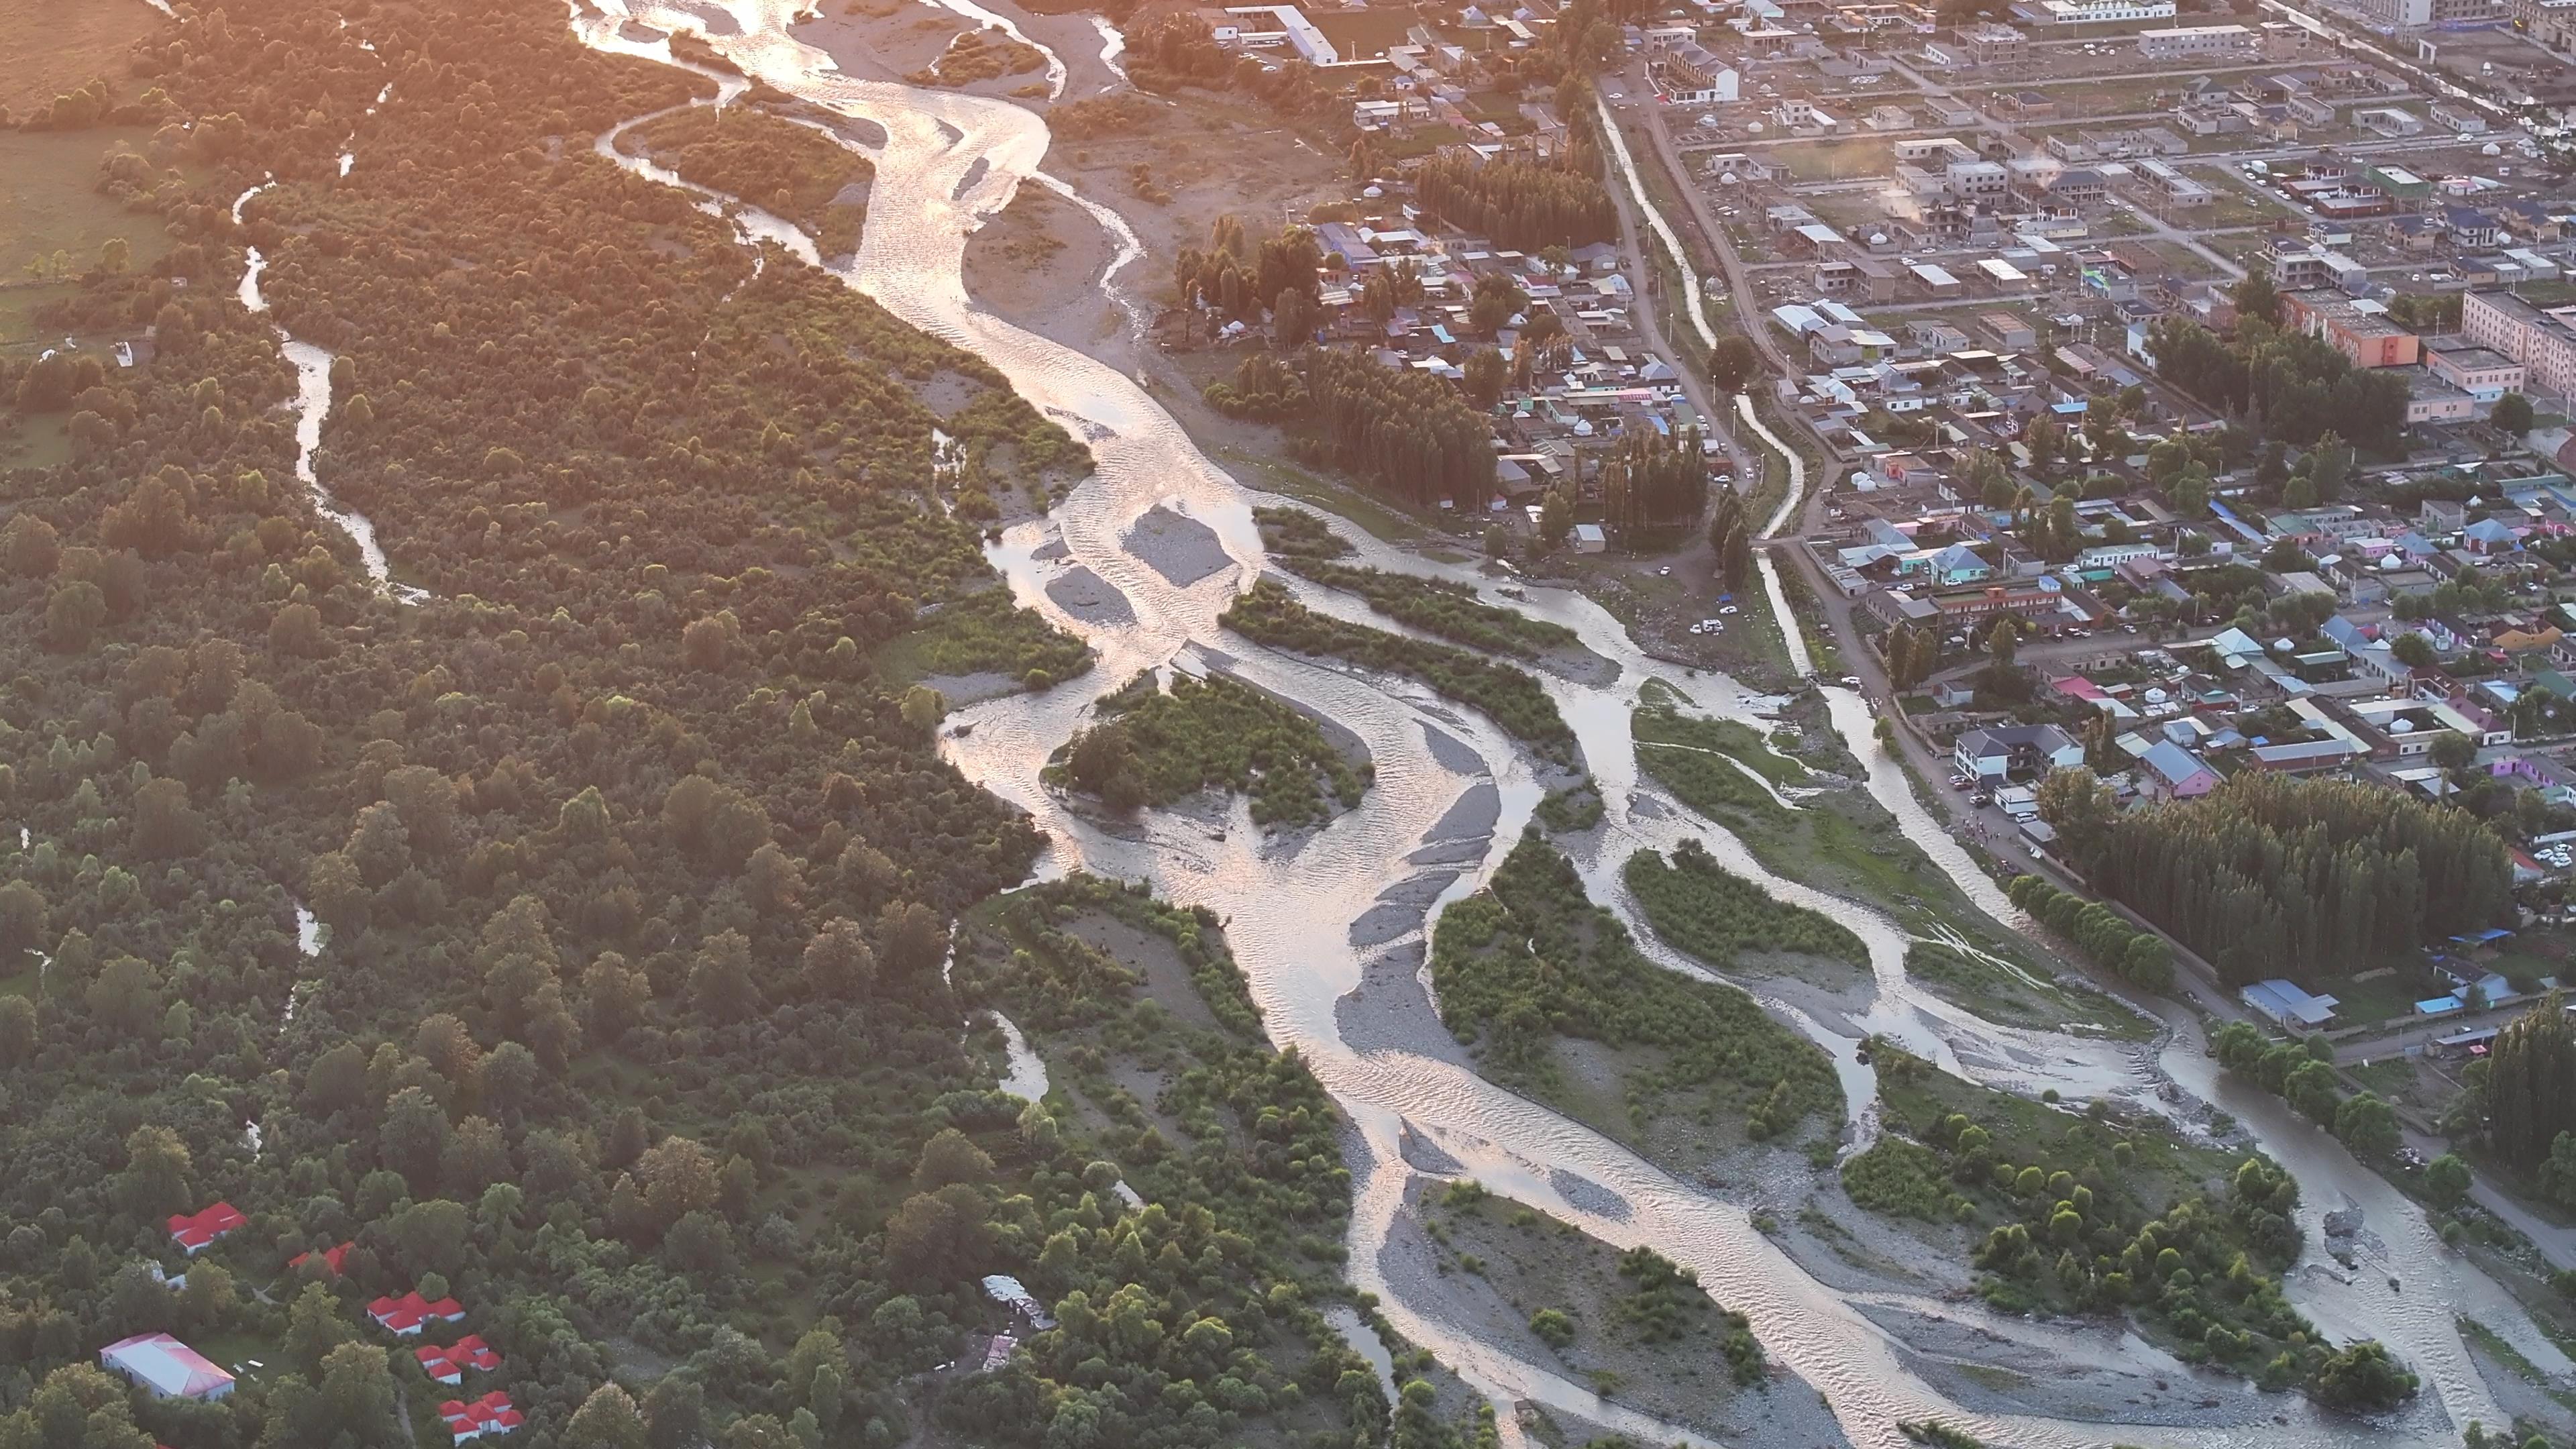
1529 963
631 849
2082 1213
1191 1320
1400 430
777 165
1523 205
1299 542
1153 746
1269 614
2266 876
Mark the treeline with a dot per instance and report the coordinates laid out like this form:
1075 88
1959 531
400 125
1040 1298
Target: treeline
2290 385
1154 746
2304 1076
2266 876
792 171
1650 480
2100 932
1403 431
1435 606
1531 958
1522 205
1267 613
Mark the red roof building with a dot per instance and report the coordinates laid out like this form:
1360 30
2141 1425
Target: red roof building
194 1231
448 1365
331 1258
472 1419
405 1315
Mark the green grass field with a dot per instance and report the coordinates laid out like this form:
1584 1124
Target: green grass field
50 205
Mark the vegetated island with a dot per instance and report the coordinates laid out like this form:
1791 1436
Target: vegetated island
1554 1000
1835 837
2077 1213
1631 1324
1194 1310
1154 745
790 170
1510 696
1700 907
1302 543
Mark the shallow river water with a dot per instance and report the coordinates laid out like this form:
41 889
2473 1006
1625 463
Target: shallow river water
950 160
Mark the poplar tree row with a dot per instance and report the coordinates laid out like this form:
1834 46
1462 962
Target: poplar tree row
1521 204
2271 877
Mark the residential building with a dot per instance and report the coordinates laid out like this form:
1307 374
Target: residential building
2551 23
2482 372
2183 42
2167 771
1693 75
476 1418
2429 399
2360 331
194 1231
1989 44
1976 180
2174 188
167 1367
2544 342
2015 752
405 1316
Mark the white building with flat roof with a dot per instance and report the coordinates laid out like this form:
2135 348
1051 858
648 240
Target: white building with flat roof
2189 40
2079 12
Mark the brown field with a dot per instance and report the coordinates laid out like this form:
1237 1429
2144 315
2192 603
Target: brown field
48 47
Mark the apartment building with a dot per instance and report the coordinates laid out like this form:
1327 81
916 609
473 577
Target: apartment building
2544 342
2182 42
2550 22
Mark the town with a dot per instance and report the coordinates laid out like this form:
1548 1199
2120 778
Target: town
2195 395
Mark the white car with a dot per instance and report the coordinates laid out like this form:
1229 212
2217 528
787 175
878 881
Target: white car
1665 572
1729 609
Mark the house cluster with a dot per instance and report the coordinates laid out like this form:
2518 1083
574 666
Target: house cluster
2281 105
448 1365
2349 694
406 1316
478 1418
1593 378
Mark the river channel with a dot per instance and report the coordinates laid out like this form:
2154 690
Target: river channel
950 160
